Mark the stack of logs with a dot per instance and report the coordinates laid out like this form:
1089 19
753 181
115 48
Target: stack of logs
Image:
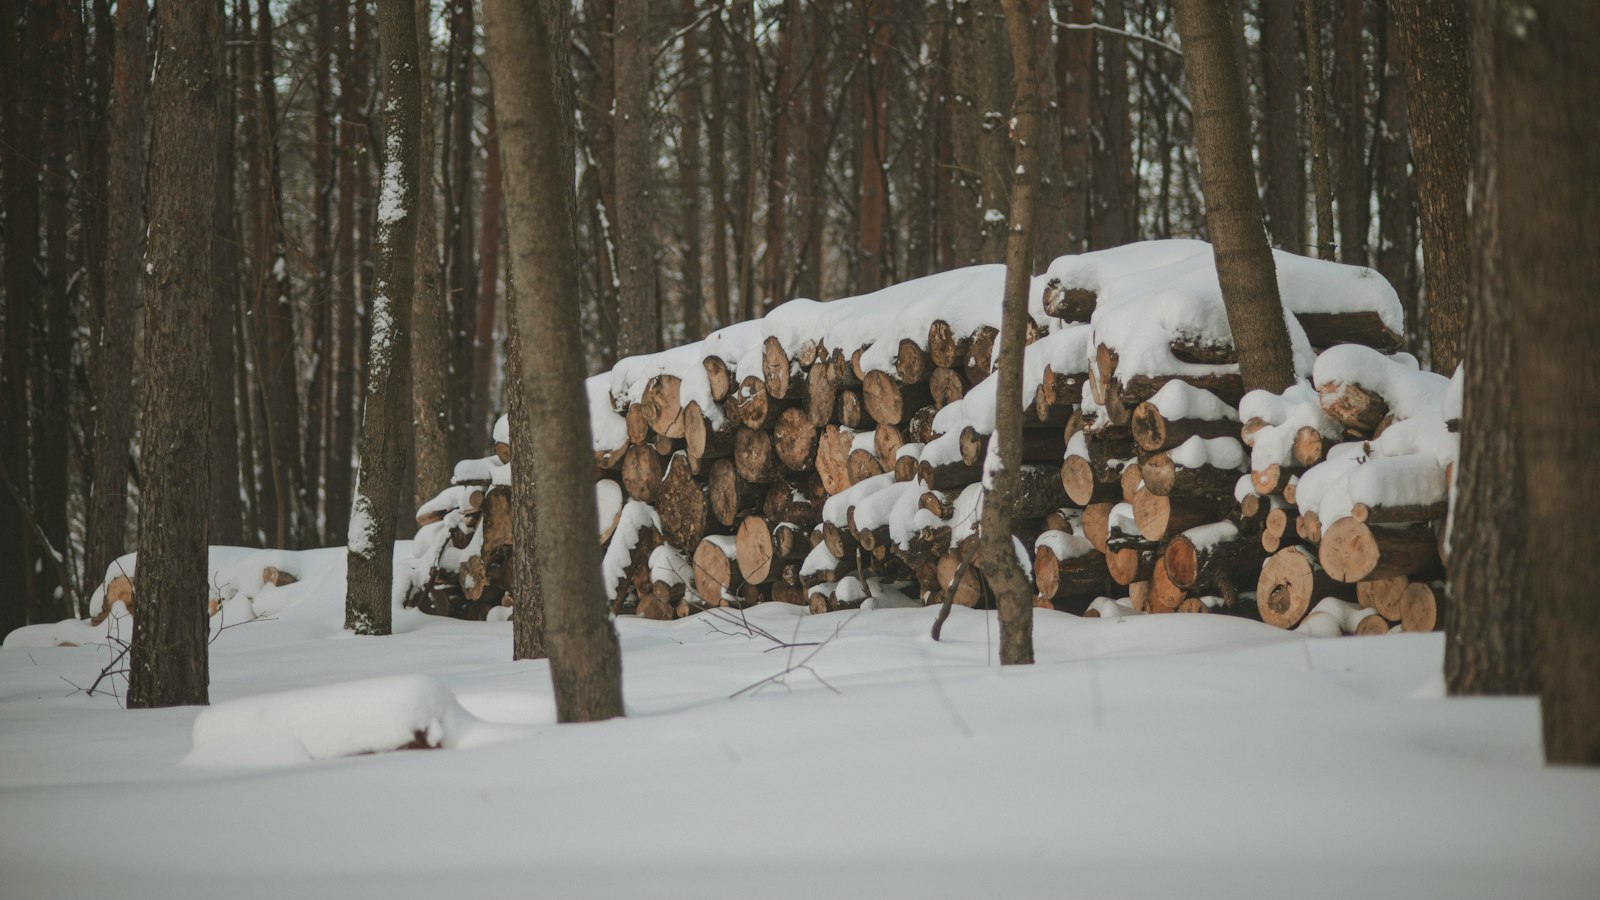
815 482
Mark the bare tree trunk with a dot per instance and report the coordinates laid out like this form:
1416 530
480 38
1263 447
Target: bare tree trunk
717 128
783 115
1050 216
317 327
1283 78
585 660
430 321
638 319
227 509
964 209
167 664
527 636
368 608
811 167
1317 110
872 36
1116 219
1001 570
1075 74
1353 183
1492 642
1433 42
1397 233
1233 210
689 174
352 98
1539 98
993 94
485 360
115 402
52 593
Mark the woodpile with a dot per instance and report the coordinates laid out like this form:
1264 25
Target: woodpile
802 460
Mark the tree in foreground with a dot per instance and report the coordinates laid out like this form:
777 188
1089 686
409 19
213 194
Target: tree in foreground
1233 209
168 665
380 483
1002 571
1539 90
585 660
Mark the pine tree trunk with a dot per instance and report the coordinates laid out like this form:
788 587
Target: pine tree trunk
1317 112
872 35
1353 181
167 663
227 510
527 634
717 183
1233 210
811 167
352 149
461 269
993 95
1538 91
115 402
1283 78
1433 43
1075 74
53 345
689 174
638 317
379 487
1397 196
1116 216
772 268
431 397
585 661
1013 593
486 359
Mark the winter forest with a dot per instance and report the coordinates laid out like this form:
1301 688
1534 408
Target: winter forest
895 389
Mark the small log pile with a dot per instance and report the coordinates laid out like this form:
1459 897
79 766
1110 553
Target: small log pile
831 456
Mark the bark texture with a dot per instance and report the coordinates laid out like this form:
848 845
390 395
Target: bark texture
1536 74
1283 78
380 484
638 318
1433 41
167 664
585 660
1233 210
430 349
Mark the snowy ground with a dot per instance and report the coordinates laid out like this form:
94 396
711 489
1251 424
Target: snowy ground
1150 756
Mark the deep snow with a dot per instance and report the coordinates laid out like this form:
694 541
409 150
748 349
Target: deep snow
1144 756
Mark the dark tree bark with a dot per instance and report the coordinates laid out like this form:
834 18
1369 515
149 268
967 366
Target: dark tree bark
872 97
689 173
1075 75
638 319
1233 210
964 208
352 154
430 321
1116 219
1013 593
318 325
1317 113
1353 182
368 609
485 361
1433 43
1283 78
1050 204
783 115
1397 195
1539 95
812 163
527 634
115 402
227 507
717 183
168 664
585 661
993 96
461 270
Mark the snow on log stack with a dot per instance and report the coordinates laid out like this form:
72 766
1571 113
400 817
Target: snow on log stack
832 455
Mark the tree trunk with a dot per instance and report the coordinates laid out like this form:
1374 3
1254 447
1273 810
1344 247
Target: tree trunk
115 401
689 174
527 640
1317 112
431 397
1397 233
372 525
227 511
461 270
167 663
1233 210
1075 75
716 149
1116 210
1539 96
486 359
638 316
352 150
872 96
585 660
783 115
1283 82
1353 183
318 326
1433 42
1013 593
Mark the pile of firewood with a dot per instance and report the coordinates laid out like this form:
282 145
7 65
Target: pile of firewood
837 467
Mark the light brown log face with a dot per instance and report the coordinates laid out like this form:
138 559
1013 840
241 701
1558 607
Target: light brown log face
795 440
1372 625
719 377
660 406
911 363
684 507
756 553
702 440
642 469
979 363
1159 518
833 458
753 455
731 495
1420 608
714 573
1153 432
1287 587
1353 406
946 386
1384 595
1354 551
861 465
968 591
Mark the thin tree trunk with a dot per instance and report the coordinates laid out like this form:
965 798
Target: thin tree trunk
1397 233
115 402
749 101
167 664
1539 100
1233 210
372 525
318 324
485 360
461 270
638 316
1433 42
1353 183
51 598
1116 219
993 95
1317 111
431 397
1050 216
872 97
717 130
527 636
689 174
1001 569
783 115
1075 74
352 153
227 510
1283 79
811 167
585 660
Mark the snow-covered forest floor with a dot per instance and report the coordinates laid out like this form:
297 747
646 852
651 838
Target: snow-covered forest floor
1146 756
